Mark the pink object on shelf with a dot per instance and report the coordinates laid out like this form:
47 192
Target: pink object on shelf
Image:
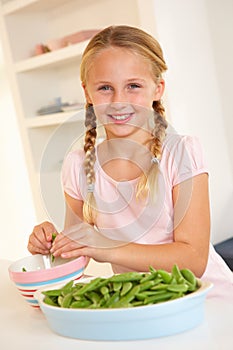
56 44
80 36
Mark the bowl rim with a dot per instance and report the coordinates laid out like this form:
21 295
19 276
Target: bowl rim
204 288
45 274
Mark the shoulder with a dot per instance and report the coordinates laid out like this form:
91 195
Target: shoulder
75 157
183 157
72 163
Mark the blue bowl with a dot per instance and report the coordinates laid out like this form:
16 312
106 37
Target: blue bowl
140 322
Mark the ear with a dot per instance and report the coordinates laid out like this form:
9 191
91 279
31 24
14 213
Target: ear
159 90
88 99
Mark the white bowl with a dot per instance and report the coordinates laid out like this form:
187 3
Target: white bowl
37 276
139 322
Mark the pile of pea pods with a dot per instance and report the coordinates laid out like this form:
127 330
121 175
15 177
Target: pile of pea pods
129 289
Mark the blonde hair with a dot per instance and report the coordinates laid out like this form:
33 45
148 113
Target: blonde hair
144 44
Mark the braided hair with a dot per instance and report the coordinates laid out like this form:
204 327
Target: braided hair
145 45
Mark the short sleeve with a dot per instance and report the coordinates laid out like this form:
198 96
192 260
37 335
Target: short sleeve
71 174
185 158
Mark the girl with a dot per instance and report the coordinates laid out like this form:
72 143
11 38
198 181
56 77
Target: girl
140 197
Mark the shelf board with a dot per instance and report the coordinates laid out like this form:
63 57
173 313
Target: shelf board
51 58
13 6
55 119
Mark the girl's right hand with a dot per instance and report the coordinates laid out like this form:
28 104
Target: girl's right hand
40 240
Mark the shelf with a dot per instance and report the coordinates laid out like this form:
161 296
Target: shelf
53 58
17 5
55 119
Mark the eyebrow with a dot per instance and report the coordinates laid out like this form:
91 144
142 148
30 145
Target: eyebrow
127 81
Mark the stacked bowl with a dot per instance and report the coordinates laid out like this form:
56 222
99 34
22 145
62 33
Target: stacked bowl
30 274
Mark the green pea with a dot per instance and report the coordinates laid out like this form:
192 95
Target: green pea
126 277
166 276
177 288
177 274
160 286
126 299
94 297
146 285
80 304
117 286
49 301
89 286
54 235
104 290
189 276
149 276
67 288
152 269
54 292
126 288
112 300
158 298
67 300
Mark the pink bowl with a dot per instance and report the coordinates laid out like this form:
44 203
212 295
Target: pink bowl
37 276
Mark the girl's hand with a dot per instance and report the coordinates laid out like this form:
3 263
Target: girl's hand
82 239
40 240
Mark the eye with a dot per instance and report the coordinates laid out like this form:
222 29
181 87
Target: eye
105 88
133 86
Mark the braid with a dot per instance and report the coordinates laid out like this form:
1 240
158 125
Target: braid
89 162
159 130
149 181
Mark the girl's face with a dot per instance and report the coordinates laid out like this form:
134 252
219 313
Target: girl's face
121 88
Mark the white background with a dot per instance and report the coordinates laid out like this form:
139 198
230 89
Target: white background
197 39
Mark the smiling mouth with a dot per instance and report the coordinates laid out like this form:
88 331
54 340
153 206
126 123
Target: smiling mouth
121 117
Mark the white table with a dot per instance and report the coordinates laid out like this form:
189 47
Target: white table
22 327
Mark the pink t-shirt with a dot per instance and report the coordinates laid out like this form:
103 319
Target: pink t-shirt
123 217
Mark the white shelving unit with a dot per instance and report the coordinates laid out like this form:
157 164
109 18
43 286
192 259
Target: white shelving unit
37 80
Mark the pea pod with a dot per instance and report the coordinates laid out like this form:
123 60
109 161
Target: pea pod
104 290
177 288
89 286
67 300
94 297
146 285
112 300
80 304
53 292
166 276
177 274
148 277
189 276
126 288
54 235
126 299
67 288
48 300
158 298
126 277
117 286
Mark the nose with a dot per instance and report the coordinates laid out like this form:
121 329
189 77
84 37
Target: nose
119 99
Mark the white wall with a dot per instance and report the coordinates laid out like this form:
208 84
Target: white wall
17 215
197 39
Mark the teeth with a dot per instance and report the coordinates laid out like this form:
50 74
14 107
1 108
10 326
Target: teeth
120 117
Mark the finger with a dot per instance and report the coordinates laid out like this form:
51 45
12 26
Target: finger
75 253
48 230
36 250
67 246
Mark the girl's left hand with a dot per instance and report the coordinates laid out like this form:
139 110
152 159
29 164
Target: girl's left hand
82 239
